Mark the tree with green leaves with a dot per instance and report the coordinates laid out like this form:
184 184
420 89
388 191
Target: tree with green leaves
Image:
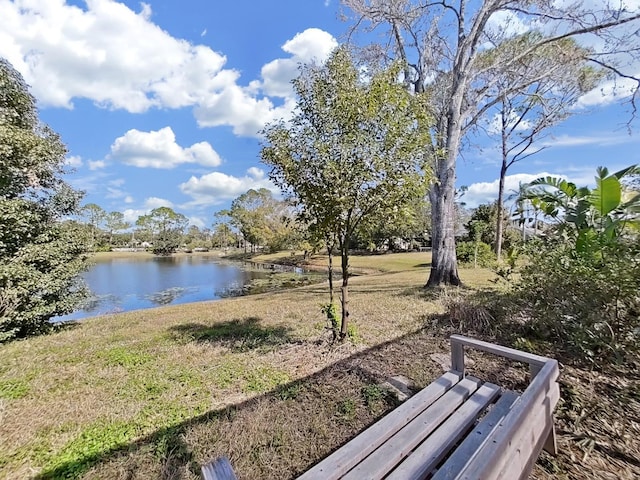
144 229
166 227
42 253
581 285
95 216
407 225
223 235
352 153
114 223
261 219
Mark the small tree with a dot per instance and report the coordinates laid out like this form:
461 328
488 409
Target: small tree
41 253
353 152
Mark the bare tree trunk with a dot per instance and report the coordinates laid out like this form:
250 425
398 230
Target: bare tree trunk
330 308
500 210
344 251
503 173
330 253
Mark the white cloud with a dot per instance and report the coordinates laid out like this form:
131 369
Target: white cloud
132 214
107 53
235 107
115 193
74 161
197 221
158 149
256 173
486 192
96 164
128 199
118 182
495 124
120 59
608 92
243 109
155 202
506 24
217 187
312 45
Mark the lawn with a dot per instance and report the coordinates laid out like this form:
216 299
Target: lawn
156 393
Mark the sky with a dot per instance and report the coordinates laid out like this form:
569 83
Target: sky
161 103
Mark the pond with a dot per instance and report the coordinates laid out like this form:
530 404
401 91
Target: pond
124 284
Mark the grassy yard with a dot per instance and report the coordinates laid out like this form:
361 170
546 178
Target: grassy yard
156 393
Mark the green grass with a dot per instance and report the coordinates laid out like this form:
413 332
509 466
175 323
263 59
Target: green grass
78 455
125 357
388 262
13 389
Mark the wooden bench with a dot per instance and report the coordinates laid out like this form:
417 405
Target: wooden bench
458 427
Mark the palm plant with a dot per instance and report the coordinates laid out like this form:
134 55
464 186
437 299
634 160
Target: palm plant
592 218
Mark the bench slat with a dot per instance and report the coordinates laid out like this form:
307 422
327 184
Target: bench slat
512 448
474 441
344 459
385 458
436 447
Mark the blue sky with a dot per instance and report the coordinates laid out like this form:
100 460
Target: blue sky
160 102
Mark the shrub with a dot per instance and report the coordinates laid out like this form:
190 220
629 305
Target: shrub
478 254
588 303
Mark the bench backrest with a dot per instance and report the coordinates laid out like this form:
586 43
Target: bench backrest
513 447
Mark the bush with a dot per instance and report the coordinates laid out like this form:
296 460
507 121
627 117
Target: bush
475 253
588 303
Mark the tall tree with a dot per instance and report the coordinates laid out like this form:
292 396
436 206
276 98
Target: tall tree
444 45
115 222
95 216
222 236
353 152
144 228
167 228
41 254
523 117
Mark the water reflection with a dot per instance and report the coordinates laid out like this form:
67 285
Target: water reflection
170 295
132 283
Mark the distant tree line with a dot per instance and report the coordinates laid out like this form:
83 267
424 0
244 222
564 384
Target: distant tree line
256 221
